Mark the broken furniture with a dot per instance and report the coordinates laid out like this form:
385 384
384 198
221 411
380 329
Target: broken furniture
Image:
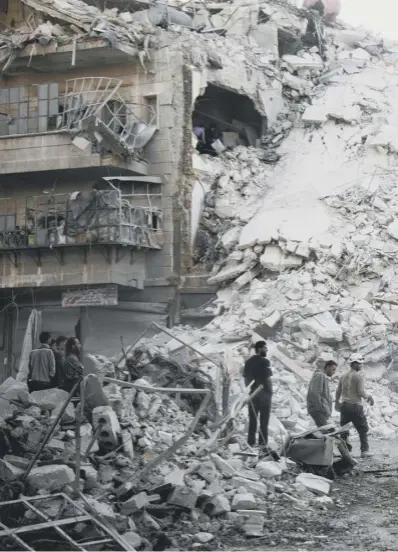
321 450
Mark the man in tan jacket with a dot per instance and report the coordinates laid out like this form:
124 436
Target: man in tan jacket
351 391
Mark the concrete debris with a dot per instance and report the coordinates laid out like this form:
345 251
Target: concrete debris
314 483
303 253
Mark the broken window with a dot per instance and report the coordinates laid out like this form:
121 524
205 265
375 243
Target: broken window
29 109
227 117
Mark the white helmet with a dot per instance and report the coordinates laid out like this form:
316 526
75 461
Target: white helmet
356 357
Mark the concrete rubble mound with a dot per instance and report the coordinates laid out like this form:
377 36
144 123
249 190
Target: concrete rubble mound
298 234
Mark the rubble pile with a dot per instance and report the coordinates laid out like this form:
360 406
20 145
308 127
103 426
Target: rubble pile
185 501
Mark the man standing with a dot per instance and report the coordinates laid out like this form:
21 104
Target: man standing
351 390
73 368
58 348
257 369
319 398
41 365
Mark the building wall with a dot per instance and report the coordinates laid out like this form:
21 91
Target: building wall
160 84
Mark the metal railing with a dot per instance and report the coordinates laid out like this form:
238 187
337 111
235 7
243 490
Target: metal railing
104 217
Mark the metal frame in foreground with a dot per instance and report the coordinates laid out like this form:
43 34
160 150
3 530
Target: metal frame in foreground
107 535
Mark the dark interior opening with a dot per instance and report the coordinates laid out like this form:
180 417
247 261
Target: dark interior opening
230 113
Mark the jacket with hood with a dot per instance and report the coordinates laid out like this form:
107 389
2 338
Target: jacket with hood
319 398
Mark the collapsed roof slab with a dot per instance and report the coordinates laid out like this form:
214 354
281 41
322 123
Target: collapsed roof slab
83 54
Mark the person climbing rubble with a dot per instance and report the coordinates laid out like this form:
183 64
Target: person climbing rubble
351 391
319 397
257 369
73 368
41 365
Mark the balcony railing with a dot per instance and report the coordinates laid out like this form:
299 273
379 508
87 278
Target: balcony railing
91 106
80 218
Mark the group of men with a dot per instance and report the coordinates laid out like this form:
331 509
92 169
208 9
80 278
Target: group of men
348 401
55 363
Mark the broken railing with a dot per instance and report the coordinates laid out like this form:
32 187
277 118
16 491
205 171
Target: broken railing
94 105
25 526
91 106
105 217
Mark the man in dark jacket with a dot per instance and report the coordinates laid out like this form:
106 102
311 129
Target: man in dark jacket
41 365
257 369
73 368
58 348
319 398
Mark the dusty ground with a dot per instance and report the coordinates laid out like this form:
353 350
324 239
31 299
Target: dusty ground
365 517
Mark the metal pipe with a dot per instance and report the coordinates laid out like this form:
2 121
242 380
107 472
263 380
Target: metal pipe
51 431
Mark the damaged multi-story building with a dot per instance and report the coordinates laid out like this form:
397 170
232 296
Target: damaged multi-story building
101 188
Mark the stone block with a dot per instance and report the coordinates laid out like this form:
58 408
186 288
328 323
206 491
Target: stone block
102 509
203 538
133 539
110 430
217 505
184 496
315 114
272 258
314 483
50 478
222 465
135 503
269 469
50 399
228 273
244 501
55 445
17 461
9 472
82 144
246 277
324 326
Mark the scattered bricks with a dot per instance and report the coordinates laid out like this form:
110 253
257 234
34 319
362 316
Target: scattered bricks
184 497
50 478
244 501
17 461
9 472
226 469
135 503
217 505
110 427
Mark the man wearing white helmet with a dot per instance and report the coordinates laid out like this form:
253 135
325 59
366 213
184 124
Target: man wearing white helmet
351 391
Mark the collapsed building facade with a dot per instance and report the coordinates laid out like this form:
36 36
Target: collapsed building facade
95 165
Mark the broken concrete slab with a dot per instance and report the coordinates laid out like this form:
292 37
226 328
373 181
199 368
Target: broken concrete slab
135 503
316 114
9 472
217 505
246 278
324 326
272 258
50 399
314 483
303 62
184 497
228 273
269 469
50 478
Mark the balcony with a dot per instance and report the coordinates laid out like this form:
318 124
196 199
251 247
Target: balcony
83 123
79 219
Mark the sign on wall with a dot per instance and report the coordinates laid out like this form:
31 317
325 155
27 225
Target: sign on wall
91 297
